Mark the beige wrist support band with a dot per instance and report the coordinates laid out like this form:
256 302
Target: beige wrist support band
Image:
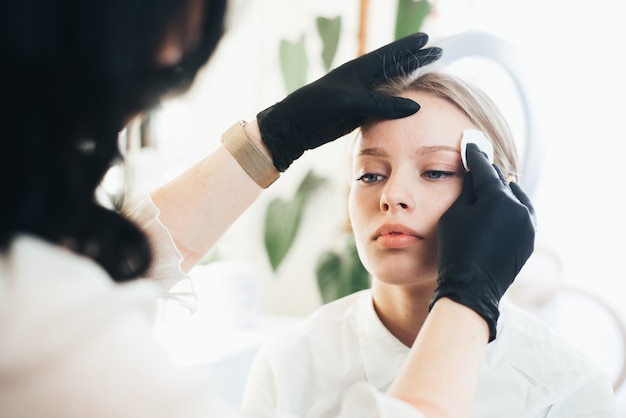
249 156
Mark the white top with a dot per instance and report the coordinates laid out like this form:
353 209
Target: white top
528 370
75 344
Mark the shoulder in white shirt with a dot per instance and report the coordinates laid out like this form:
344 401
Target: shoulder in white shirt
529 371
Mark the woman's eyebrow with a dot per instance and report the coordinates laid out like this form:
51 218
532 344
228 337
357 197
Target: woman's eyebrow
423 150
436 148
373 151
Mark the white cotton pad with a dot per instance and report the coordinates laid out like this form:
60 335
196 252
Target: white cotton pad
477 137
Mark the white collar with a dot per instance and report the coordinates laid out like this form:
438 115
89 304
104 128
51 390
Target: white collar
377 344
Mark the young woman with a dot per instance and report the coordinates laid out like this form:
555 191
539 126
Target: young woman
407 178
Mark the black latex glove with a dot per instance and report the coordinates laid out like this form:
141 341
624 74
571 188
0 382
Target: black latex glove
340 101
484 239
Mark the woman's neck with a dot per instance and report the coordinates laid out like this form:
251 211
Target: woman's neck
402 309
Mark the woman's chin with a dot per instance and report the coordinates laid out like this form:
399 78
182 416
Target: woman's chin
403 277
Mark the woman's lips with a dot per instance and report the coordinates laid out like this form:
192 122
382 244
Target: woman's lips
396 236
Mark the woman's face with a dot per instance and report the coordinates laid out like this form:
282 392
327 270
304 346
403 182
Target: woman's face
406 174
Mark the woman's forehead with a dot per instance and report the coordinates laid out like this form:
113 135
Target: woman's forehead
438 123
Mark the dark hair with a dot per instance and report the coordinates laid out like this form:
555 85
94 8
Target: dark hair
73 73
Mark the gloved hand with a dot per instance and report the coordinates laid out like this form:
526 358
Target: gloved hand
484 239
339 102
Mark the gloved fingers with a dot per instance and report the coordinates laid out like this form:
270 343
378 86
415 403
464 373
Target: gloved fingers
414 41
467 196
400 63
485 174
525 200
429 55
399 57
386 107
406 62
501 175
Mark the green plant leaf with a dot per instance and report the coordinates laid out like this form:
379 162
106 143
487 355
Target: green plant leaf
329 30
309 184
281 224
293 62
341 274
283 218
327 272
410 16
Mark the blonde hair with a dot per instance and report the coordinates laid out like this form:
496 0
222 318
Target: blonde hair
470 100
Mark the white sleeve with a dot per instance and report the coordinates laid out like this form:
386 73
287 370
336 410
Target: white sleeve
166 268
81 347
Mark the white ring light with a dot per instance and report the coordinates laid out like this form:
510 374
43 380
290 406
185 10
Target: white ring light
502 53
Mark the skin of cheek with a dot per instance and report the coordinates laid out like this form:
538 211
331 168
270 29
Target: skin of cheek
429 257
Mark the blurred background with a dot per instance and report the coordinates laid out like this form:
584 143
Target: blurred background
556 70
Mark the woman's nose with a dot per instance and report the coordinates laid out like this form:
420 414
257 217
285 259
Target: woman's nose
397 196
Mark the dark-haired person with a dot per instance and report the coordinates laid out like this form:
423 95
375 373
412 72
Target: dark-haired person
75 327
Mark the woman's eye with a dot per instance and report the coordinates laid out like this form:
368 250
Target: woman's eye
369 178
437 175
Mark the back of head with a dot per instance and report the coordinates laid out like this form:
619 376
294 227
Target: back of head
473 102
75 72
